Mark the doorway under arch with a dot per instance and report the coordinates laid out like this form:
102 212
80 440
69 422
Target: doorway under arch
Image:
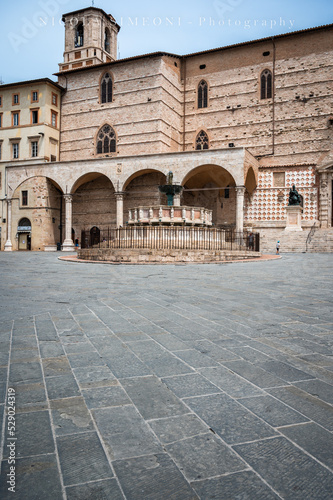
24 234
95 236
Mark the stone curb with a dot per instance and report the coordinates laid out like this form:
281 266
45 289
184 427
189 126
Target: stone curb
74 258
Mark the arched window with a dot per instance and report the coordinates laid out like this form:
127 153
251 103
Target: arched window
107 40
202 141
202 94
266 84
106 140
25 223
106 88
79 36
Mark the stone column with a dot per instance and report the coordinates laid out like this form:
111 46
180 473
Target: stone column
176 200
120 208
240 191
9 245
68 245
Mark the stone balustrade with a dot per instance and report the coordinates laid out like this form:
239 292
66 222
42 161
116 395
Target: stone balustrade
170 215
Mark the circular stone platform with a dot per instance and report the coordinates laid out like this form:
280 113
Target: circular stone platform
146 257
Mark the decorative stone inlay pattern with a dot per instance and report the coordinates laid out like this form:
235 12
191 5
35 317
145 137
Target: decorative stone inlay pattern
269 204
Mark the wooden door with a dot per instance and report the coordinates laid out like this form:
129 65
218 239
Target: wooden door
23 241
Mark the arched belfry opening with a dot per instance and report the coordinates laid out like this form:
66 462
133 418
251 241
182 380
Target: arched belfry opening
79 35
107 40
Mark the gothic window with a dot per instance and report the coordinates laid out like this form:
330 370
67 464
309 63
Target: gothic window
201 141
106 88
106 140
107 40
266 84
79 36
202 94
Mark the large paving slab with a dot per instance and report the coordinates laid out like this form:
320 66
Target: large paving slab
167 382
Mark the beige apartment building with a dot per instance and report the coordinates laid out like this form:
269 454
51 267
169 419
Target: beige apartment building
29 135
238 126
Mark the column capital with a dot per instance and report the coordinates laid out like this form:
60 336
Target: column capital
240 189
68 198
119 194
9 202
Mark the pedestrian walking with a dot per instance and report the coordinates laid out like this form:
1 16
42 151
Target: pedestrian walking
278 248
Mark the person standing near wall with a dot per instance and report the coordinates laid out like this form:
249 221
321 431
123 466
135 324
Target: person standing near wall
278 248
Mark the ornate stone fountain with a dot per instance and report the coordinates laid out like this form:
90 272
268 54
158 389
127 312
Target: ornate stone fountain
171 214
170 190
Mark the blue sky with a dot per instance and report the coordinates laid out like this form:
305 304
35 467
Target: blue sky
32 34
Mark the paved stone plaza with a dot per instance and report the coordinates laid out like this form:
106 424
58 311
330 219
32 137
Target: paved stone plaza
167 382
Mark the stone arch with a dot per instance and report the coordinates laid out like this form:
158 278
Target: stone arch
139 173
212 187
93 202
141 189
250 181
12 190
87 177
43 208
216 173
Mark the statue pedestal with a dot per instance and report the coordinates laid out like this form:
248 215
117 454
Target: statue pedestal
294 218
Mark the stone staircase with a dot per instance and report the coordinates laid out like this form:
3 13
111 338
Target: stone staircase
314 240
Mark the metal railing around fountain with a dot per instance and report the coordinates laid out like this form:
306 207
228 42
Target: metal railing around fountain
171 238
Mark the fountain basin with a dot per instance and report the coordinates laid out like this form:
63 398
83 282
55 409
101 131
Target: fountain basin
170 215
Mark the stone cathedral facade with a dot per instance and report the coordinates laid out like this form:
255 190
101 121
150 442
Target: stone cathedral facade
237 126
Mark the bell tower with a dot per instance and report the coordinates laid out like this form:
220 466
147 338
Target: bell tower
90 38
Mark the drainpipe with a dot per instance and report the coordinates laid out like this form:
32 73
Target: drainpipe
184 101
62 93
